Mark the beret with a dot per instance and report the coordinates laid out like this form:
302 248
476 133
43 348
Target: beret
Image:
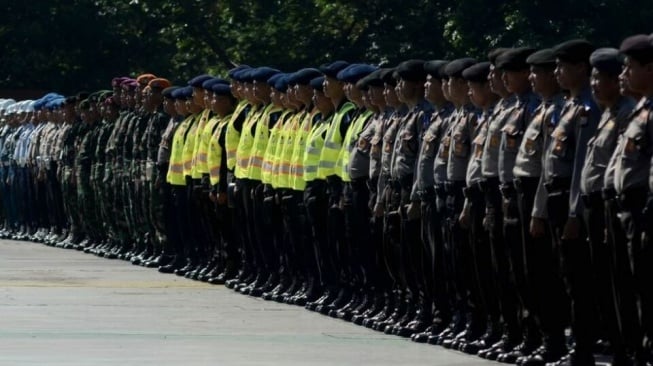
574 51
159 83
454 69
354 72
197 81
129 84
185 92
387 75
435 68
493 54
245 75
144 79
514 59
167 92
317 83
273 79
411 70
638 47
262 74
236 69
477 73
543 58
303 76
210 82
373 79
281 84
221 89
607 60
115 82
331 70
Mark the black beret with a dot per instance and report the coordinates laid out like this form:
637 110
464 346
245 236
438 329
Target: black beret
607 60
514 59
638 47
543 58
387 75
332 69
221 89
411 70
454 69
167 92
317 83
477 73
574 51
198 80
373 79
435 68
262 74
303 76
493 54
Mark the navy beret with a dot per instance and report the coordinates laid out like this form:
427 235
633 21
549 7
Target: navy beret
387 75
574 51
167 92
493 54
455 68
332 69
210 82
282 83
435 68
607 60
354 72
543 58
262 74
198 80
245 75
303 76
477 73
373 79
514 59
236 69
317 83
185 92
638 47
411 70
221 89
273 79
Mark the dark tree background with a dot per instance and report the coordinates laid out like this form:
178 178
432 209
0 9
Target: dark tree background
71 45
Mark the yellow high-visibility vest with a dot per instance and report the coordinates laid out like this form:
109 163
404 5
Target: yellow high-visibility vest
175 175
285 154
314 144
214 153
297 181
269 158
342 165
232 139
246 142
199 159
333 144
260 143
189 146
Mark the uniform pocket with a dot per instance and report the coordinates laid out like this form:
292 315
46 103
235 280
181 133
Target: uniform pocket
460 146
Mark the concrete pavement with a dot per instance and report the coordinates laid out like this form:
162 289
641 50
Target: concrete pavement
63 307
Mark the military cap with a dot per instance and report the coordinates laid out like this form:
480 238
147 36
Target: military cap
638 47
607 60
159 83
574 51
514 59
303 76
543 58
477 73
144 79
129 84
435 68
387 76
221 89
262 74
411 70
115 82
317 83
178 93
167 92
245 75
197 81
281 84
354 72
493 54
206 85
373 79
236 69
455 68
187 93
273 79
331 70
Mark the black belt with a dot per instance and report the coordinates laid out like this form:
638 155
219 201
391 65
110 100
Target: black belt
451 186
558 185
489 184
633 198
473 192
507 189
524 183
589 199
609 193
427 194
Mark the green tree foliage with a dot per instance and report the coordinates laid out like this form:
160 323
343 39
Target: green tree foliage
70 45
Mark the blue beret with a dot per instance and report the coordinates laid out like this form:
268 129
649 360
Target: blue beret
273 79
221 89
167 92
355 72
318 83
39 104
607 60
210 82
185 92
198 80
245 75
332 69
281 84
303 76
262 74
233 71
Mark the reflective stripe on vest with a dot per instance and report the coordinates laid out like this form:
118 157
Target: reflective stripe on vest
297 160
260 144
267 172
199 162
214 156
314 145
332 144
189 146
348 144
244 150
285 157
175 173
233 136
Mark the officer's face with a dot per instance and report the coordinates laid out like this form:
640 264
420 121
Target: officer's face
169 106
605 88
198 96
376 96
390 94
542 80
568 74
433 89
458 89
516 81
332 87
495 79
479 94
636 75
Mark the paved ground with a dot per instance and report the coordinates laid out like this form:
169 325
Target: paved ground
62 307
